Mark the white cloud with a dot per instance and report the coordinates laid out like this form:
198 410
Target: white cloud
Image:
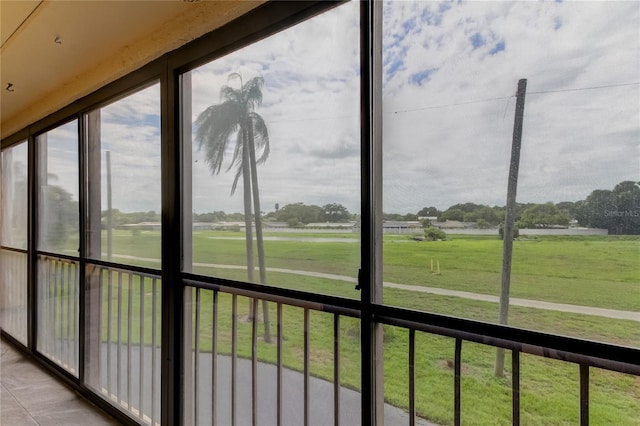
62 157
450 73
311 103
130 132
573 142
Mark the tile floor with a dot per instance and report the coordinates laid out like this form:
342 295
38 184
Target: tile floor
30 396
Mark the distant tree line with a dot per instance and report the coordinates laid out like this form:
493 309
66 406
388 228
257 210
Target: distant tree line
60 217
483 216
218 216
119 218
399 217
616 210
295 214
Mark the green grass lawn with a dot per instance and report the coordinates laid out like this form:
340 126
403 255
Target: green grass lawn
592 271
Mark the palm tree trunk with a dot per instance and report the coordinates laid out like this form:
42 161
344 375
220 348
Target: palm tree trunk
258 219
246 189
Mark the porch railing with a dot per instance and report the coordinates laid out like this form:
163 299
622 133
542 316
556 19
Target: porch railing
58 301
231 377
254 390
123 359
227 381
122 351
13 293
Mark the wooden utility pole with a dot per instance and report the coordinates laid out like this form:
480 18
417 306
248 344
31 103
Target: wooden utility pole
507 236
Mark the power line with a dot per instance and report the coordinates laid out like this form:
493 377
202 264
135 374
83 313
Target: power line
336 117
509 97
475 101
584 88
449 105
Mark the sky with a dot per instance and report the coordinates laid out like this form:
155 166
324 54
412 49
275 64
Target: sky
442 147
130 132
450 73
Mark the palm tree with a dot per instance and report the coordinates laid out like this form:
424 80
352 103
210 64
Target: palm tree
214 127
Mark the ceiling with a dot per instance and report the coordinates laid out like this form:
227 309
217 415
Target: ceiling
54 52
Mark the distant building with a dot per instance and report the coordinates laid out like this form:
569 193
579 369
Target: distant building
330 225
450 224
146 226
274 225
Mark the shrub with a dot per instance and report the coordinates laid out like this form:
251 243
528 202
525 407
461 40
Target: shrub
516 231
434 234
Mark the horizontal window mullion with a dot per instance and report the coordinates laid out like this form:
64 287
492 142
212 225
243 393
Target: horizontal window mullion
297 298
121 267
13 249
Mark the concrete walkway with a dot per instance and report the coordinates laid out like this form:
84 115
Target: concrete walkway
321 410
30 396
321 392
527 303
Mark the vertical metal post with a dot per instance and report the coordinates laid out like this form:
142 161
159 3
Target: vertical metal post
119 334
457 385
336 369
412 377
279 367
70 320
141 382
54 319
196 361
78 347
91 246
44 318
254 363
370 278
515 386
32 222
173 334
56 327
45 322
188 379
306 367
38 283
43 341
96 272
129 339
82 228
214 358
584 395
234 355
185 143
509 219
154 320
109 310
59 327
